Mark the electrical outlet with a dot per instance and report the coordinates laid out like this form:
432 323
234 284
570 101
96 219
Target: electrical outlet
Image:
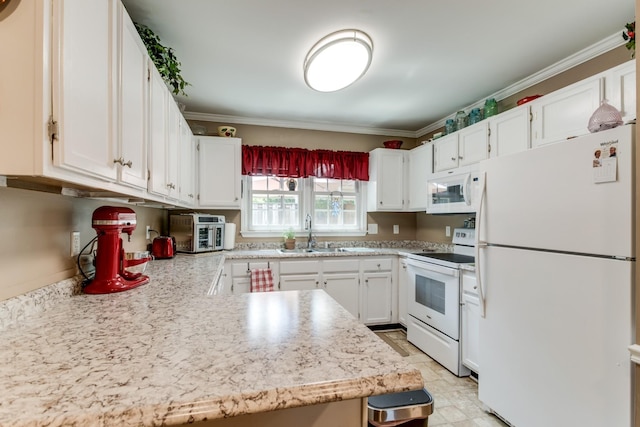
75 243
447 231
396 229
148 231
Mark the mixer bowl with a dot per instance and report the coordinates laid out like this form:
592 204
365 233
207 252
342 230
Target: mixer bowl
136 262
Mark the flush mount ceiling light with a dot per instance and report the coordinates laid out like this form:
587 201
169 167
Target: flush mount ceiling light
338 60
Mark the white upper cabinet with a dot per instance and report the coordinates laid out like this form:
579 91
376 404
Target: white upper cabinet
420 165
83 92
620 89
510 131
464 147
565 113
131 158
445 153
473 143
386 189
187 165
219 172
158 134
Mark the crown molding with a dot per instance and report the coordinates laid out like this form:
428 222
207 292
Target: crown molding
578 58
321 126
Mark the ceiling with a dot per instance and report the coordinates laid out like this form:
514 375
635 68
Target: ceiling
243 58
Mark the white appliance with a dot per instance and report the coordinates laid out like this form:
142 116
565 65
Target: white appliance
453 191
555 263
433 305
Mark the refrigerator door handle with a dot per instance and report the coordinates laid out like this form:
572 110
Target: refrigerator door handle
480 244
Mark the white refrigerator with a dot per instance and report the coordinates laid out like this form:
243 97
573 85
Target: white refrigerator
556 262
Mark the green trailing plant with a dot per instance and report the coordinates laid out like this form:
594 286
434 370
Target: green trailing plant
164 59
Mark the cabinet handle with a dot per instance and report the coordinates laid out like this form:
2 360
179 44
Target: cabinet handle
460 157
236 199
171 186
122 162
380 201
475 287
453 158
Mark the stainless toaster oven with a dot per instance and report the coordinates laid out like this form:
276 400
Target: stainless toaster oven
195 232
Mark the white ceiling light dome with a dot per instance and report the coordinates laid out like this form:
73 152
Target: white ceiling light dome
338 60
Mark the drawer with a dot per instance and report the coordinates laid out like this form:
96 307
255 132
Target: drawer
378 264
469 283
339 265
239 269
299 267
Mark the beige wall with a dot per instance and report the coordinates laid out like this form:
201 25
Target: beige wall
35 232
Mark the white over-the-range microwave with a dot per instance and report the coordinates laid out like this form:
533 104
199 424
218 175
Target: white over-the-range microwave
454 191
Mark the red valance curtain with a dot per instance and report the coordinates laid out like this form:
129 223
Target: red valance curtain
302 163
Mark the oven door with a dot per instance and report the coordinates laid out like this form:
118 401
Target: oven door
203 237
434 296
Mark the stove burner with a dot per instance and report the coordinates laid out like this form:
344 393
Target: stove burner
449 257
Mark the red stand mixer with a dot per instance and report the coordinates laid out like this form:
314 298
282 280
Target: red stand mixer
111 274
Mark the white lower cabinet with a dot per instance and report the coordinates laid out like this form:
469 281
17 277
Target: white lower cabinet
344 288
377 294
299 282
470 322
372 303
376 298
403 282
236 275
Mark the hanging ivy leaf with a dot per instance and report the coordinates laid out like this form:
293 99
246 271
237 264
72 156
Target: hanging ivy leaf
164 59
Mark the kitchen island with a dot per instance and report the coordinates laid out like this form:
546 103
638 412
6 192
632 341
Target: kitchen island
167 354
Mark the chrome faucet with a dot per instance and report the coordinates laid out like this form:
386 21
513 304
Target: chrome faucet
311 242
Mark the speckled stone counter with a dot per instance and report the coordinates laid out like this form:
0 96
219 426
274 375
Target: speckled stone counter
166 354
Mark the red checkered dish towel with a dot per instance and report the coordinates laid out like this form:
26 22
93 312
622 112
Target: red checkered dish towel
261 280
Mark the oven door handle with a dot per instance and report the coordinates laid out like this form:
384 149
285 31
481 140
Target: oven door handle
424 266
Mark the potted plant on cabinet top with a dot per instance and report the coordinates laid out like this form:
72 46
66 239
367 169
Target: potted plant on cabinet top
289 239
164 59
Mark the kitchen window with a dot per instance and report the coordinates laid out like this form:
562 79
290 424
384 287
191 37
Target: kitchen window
273 205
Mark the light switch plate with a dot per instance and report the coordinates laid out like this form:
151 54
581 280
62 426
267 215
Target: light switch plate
372 228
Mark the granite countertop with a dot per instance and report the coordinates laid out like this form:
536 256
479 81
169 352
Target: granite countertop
166 353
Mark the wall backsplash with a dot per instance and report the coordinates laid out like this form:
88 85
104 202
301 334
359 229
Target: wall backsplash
35 228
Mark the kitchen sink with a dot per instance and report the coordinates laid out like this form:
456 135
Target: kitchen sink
323 250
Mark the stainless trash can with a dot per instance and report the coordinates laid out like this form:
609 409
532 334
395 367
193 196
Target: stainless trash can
407 408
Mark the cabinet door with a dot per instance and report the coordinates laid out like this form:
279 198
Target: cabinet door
376 298
420 168
621 89
132 104
219 172
187 165
83 91
510 131
473 144
158 95
173 147
470 328
470 331
299 282
240 285
343 287
386 180
445 153
565 113
403 283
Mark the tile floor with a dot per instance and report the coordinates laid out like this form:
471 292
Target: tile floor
455 399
